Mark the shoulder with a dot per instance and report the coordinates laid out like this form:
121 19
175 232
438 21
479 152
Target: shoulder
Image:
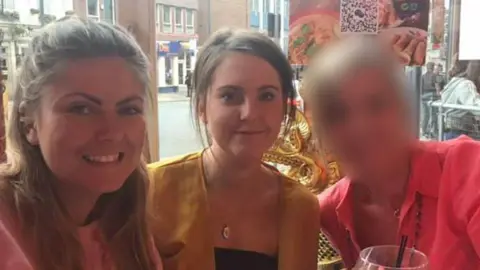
461 172
175 169
174 178
330 198
12 257
174 164
298 195
462 150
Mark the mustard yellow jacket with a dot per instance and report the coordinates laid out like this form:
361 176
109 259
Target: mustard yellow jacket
181 227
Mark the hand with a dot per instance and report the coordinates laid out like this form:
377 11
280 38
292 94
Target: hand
411 49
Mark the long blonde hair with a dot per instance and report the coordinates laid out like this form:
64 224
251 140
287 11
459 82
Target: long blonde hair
26 180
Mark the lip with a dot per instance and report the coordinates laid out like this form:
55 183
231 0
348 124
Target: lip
251 132
104 159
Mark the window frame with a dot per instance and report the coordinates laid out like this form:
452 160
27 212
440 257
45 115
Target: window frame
91 16
180 24
192 17
164 9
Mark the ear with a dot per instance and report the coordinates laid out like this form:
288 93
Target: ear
29 127
31 134
202 113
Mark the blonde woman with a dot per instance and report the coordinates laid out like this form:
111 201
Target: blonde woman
395 185
73 188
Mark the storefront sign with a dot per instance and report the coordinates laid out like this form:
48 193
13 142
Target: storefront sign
175 47
168 47
314 23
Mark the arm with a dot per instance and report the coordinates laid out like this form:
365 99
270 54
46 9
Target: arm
467 94
309 235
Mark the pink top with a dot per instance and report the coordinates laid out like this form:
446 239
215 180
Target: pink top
12 257
447 177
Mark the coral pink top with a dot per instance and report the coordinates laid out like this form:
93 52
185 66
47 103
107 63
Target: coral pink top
12 257
447 177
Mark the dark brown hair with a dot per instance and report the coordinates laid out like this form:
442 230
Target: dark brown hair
458 67
226 41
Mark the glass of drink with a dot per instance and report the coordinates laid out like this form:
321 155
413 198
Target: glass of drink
385 258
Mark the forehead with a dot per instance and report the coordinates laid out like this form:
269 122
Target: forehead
245 70
364 83
99 76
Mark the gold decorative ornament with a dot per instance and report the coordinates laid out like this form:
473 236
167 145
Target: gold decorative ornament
296 155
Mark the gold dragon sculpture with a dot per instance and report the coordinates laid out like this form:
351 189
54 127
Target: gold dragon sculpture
295 154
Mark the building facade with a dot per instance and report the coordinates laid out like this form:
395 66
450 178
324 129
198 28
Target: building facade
176 35
17 19
216 14
95 9
271 17
267 16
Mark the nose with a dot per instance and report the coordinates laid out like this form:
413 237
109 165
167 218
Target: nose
110 129
249 110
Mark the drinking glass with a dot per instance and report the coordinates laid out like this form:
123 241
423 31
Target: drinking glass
385 258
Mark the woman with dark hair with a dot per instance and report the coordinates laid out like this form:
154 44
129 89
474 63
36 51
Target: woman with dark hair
462 89
223 208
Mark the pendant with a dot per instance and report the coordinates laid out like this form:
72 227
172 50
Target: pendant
226 232
396 213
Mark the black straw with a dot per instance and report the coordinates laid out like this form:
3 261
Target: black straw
401 251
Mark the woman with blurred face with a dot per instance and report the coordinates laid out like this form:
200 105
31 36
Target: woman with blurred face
223 208
73 190
395 184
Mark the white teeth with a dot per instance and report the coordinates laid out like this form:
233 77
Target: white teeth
103 159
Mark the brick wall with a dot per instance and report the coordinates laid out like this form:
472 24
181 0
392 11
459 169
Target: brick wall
221 13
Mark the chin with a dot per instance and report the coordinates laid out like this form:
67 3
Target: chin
108 184
248 155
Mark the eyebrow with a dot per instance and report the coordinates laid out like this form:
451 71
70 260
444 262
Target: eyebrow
238 88
99 101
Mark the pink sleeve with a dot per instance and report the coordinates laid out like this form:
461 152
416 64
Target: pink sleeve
11 255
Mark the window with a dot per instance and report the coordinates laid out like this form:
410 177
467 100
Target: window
255 5
189 14
178 16
109 11
8 4
167 18
190 18
92 8
158 10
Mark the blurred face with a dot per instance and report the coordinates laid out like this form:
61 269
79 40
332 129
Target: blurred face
430 67
244 106
438 69
365 125
90 125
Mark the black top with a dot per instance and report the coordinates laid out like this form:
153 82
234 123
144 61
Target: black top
234 259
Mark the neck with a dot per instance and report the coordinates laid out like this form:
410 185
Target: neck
220 170
77 201
388 186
